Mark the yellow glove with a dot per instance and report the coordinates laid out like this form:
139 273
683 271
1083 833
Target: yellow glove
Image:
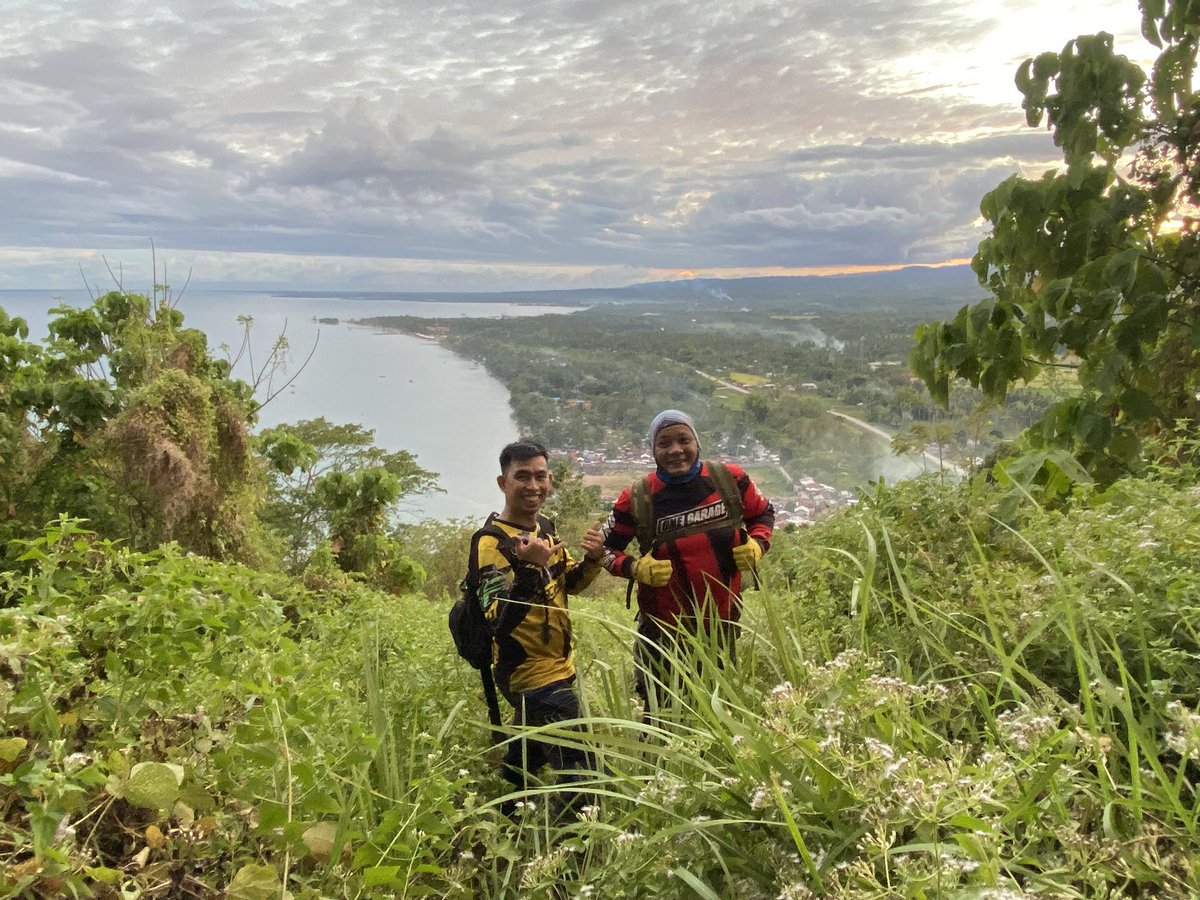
652 572
747 555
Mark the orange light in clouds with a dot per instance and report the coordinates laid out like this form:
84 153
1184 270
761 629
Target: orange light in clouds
767 271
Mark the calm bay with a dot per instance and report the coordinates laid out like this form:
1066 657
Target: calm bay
416 395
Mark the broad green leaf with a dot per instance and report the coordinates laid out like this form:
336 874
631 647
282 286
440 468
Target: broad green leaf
1069 466
380 875
1023 78
1138 406
1105 376
319 802
10 748
1121 268
271 815
152 785
1046 65
103 874
1093 428
1056 293
1150 28
254 882
1020 470
1123 446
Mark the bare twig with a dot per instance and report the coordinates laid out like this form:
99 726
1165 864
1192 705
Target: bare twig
274 361
250 351
182 290
303 366
113 275
87 287
245 343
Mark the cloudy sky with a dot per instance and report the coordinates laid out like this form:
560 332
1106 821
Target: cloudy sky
503 144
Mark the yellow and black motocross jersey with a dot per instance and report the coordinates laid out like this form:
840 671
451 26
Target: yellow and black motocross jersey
527 607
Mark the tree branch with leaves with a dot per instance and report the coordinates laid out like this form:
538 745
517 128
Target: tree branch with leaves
1096 263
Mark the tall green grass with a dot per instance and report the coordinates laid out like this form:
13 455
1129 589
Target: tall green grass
930 700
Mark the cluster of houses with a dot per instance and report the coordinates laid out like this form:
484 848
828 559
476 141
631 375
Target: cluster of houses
810 499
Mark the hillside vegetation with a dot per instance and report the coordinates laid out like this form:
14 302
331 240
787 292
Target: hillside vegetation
929 701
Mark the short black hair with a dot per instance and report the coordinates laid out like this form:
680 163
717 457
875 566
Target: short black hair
519 451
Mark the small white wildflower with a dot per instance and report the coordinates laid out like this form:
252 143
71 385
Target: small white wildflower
1183 731
65 830
887 683
879 748
797 891
463 773
75 761
780 689
466 856
761 799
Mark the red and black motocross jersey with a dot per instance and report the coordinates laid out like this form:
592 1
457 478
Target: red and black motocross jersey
703 570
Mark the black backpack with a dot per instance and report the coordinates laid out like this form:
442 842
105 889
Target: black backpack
469 627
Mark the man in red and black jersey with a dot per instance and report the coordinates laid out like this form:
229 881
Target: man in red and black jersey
700 542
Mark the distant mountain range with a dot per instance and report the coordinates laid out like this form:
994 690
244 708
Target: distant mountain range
909 288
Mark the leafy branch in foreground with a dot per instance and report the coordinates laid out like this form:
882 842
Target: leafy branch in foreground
1087 264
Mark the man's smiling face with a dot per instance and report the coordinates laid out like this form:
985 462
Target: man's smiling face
526 485
675 449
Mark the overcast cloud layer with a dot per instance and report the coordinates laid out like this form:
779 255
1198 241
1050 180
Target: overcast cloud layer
501 144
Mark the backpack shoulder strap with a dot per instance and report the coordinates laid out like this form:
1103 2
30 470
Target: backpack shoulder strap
728 490
503 544
643 513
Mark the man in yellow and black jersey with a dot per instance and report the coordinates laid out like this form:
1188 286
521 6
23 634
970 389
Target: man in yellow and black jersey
524 575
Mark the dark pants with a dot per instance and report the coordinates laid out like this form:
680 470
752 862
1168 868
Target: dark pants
656 649
554 702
